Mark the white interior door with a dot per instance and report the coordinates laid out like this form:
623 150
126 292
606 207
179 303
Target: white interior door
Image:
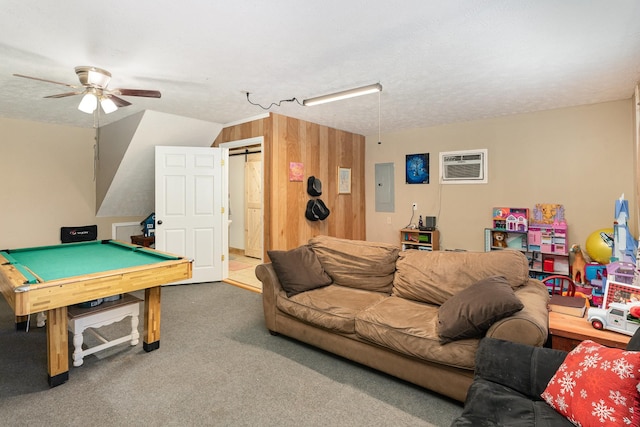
191 213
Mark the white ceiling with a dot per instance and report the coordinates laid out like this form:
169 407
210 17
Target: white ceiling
438 61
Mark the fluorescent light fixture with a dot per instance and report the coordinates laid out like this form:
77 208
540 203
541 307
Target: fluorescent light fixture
365 90
108 106
88 104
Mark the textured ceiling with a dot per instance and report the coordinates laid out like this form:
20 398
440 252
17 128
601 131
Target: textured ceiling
438 61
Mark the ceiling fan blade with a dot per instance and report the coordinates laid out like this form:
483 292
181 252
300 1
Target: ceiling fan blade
137 92
45 80
63 95
119 101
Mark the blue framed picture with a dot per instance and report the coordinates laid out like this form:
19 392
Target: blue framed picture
417 168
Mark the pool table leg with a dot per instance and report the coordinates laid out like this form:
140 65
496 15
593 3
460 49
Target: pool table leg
151 340
57 346
21 323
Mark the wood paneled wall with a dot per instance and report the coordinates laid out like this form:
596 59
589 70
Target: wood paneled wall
321 150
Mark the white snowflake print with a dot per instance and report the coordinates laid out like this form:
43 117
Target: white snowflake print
567 383
617 397
578 374
606 365
590 349
622 368
602 411
590 361
562 404
627 419
583 393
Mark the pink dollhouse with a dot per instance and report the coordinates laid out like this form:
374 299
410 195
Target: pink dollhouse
511 219
548 230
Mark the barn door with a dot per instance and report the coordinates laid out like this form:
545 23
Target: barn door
253 200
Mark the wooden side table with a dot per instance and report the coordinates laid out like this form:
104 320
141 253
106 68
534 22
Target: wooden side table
143 240
568 331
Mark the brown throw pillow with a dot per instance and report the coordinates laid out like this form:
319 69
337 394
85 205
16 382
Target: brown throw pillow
471 312
298 270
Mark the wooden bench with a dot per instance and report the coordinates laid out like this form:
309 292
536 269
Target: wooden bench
89 319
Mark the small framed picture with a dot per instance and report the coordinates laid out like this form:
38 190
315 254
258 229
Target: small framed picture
417 168
344 180
296 171
620 292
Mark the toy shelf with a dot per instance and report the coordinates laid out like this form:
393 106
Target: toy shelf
501 239
424 240
544 260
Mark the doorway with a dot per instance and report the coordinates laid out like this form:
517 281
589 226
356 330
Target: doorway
245 211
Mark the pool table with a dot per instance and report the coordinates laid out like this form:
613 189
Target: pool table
50 278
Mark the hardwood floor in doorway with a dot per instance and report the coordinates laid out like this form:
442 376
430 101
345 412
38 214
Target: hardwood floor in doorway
242 271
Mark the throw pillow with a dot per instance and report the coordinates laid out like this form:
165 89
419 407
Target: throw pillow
597 386
470 312
298 270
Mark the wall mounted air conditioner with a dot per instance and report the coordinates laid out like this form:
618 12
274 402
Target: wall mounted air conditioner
464 167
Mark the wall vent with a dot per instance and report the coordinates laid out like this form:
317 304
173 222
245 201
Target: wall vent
463 167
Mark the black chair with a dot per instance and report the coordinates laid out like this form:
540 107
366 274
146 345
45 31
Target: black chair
86 233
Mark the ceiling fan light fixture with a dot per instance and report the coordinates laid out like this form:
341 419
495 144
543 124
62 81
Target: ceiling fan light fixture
345 94
93 76
88 104
107 104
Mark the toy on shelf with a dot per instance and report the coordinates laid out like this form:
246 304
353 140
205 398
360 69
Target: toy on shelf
578 265
624 245
547 213
599 245
548 229
499 239
149 225
511 219
621 272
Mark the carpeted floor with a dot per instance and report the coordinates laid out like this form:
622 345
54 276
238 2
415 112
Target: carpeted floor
217 365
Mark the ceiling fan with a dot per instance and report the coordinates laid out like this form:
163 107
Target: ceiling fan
94 83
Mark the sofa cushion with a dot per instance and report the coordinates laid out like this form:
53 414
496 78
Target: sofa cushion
434 277
597 385
298 270
331 307
409 327
356 263
469 313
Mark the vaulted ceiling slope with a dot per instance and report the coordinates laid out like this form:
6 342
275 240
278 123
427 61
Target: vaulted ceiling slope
125 173
438 61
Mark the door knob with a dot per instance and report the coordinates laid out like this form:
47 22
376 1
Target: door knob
160 222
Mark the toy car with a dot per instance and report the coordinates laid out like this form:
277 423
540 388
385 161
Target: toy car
623 318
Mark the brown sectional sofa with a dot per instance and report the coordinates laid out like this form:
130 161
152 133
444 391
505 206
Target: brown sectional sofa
380 307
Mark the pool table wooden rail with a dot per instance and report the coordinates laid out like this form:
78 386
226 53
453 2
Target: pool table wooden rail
26 299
